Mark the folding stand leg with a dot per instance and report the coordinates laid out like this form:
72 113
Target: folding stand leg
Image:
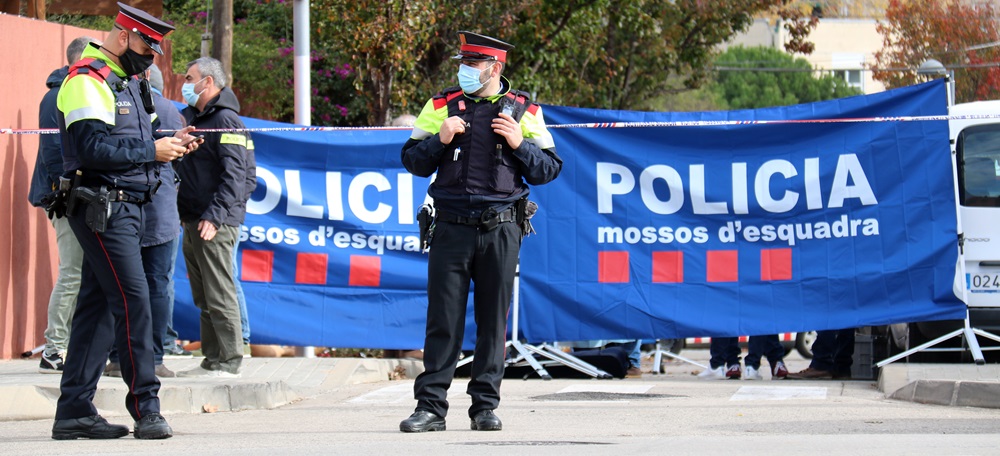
524 353
968 332
570 361
658 359
522 350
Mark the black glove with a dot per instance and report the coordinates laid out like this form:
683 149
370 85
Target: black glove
525 210
55 204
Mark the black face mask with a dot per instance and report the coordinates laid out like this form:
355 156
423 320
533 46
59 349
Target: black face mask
133 62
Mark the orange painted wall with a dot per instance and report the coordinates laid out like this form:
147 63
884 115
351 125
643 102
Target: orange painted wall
29 49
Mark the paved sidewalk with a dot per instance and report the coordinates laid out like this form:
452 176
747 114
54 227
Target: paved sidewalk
268 383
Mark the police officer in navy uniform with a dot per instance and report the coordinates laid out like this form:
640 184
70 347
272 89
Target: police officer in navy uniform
486 142
110 148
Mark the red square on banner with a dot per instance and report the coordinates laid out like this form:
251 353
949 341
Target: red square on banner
776 264
722 266
668 267
612 267
257 265
310 268
366 271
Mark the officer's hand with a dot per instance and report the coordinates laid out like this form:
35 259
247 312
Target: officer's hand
452 126
207 230
190 142
507 127
169 148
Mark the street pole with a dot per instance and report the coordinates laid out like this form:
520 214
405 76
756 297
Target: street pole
300 19
222 35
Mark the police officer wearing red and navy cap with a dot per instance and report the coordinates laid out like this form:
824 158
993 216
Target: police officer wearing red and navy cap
110 148
487 143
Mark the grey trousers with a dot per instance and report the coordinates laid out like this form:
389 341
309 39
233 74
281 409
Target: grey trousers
62 302
210 270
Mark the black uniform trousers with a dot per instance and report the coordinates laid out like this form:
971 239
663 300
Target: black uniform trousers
112 308
461 253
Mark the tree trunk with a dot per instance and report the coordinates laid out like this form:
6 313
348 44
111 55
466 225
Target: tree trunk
379 83
222 35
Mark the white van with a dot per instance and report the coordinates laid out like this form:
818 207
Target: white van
976 144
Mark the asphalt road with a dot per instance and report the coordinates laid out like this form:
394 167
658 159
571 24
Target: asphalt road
672 413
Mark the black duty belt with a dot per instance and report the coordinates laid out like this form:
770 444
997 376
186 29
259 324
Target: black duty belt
117 194
489 220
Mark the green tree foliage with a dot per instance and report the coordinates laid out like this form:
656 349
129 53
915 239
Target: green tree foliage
780 81
593 53
950 31
263 61
373 59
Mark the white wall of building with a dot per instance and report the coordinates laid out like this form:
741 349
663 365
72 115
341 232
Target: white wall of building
845 46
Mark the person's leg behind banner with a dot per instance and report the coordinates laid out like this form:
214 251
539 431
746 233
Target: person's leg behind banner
824 350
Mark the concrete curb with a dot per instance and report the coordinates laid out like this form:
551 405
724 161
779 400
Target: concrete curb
959 385
953 393
36 402
266 383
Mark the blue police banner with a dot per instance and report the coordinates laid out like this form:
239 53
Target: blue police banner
746 229
700 230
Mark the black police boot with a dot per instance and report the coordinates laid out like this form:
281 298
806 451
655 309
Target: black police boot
422 421
486 421
152 426
88 427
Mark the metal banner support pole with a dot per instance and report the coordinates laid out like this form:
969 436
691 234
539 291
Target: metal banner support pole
525 352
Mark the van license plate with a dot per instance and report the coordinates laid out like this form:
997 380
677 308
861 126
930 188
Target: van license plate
984 283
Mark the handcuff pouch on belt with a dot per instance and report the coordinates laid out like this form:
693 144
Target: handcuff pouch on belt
425 220
97 209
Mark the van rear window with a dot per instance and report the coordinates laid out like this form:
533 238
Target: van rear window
979 166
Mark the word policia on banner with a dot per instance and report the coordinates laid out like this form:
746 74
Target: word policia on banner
789 233
614 179
334 209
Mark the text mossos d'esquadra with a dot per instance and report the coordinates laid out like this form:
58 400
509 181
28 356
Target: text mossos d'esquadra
849 182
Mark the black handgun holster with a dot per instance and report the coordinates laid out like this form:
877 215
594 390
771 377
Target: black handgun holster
96 203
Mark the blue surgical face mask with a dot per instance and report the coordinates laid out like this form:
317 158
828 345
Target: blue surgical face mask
187 91
469 78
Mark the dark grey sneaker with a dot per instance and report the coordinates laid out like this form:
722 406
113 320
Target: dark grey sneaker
486 421
175 351
88 427
422 421
152 426
51 363
113 370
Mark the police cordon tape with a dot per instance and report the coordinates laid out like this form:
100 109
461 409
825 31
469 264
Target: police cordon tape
684 123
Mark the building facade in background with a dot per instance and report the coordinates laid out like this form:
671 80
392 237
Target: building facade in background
845 47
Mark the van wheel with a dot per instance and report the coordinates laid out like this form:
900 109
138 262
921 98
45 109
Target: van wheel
804 342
